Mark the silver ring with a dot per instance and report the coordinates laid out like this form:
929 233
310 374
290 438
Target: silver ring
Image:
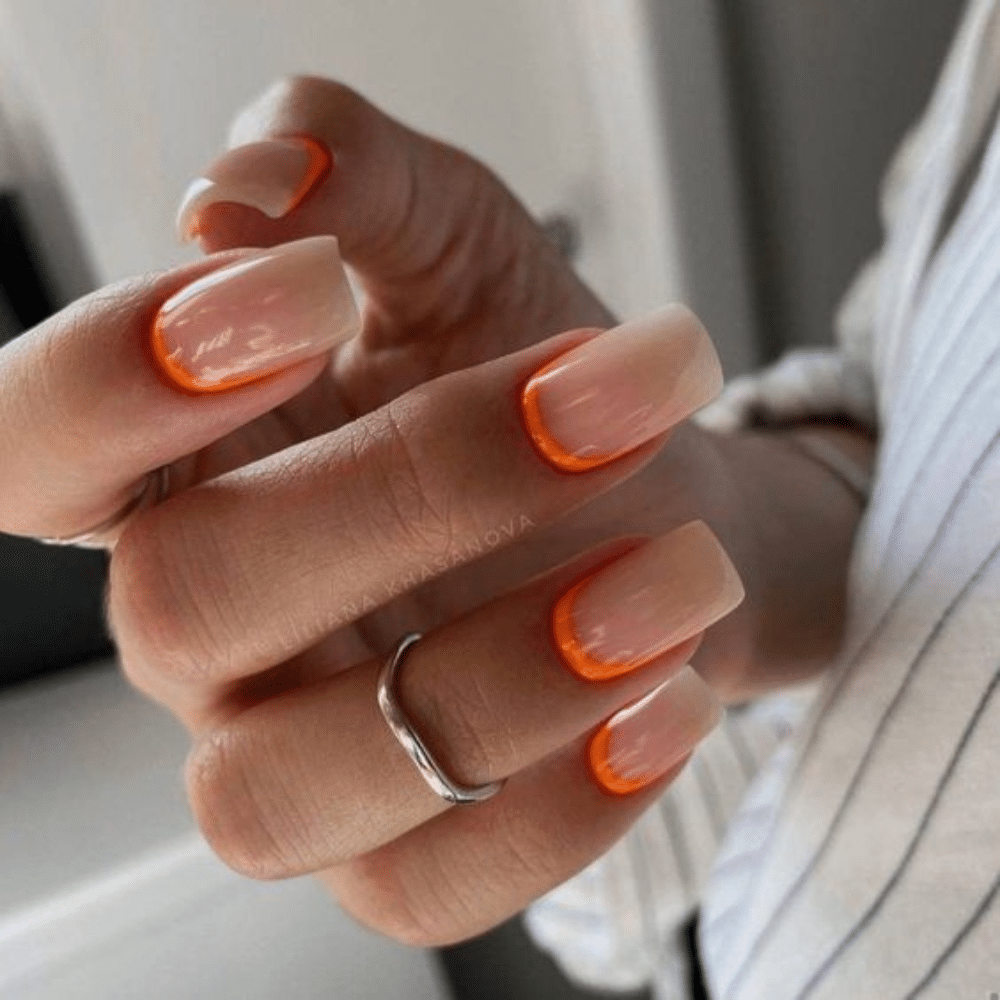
430 770
155 487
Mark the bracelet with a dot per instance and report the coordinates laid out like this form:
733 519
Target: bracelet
849 472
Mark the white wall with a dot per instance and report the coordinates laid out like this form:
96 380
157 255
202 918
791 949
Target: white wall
133 96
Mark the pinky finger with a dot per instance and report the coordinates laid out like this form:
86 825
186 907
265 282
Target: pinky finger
469 869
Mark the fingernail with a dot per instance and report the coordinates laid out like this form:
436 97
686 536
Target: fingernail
626 614
253 318
272 176
642 742
606 397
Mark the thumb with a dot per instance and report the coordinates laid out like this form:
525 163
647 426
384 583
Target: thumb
313 157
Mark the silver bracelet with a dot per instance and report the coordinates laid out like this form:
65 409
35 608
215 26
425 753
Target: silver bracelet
848 471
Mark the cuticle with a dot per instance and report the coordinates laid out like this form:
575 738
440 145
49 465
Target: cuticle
530 434
577 586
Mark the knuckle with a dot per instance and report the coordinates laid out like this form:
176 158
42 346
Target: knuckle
440 895
305 97
471 733
167 617
309 91
295 102
235 813
412 489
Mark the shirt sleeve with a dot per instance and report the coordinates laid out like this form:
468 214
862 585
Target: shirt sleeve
814 383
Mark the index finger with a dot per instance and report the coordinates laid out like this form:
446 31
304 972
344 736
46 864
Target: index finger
152 369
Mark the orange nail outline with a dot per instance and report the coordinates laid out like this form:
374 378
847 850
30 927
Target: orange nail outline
570 649
541 437
320 165
608 780
599 767
181 378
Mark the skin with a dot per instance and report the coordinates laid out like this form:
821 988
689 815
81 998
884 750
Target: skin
465 299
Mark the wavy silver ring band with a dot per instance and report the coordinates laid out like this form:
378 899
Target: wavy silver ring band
154 489
428 767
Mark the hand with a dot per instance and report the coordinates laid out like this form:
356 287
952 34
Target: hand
255 602
455 273
231 599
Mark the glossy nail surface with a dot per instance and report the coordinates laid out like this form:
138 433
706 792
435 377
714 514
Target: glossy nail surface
631 611
253 318
273 177
642 742
608 396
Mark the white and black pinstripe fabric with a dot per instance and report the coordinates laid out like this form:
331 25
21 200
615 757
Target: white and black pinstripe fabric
864 860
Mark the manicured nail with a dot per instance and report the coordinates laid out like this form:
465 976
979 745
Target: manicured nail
253 318
626 614
642 742
606 397
272 176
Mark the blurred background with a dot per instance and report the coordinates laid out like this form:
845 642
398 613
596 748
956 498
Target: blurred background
724 154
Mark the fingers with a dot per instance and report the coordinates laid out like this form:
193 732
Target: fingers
283 789
311 156
141 373
245 571
463 873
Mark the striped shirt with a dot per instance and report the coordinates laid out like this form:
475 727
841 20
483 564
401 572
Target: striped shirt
845 842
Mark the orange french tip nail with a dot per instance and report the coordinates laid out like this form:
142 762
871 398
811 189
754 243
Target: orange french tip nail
320 164
545 444
183 379
598 756
570 648
572 652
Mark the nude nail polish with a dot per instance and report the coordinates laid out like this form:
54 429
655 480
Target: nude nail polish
642 742
274 177
626 614
251 319
603 399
